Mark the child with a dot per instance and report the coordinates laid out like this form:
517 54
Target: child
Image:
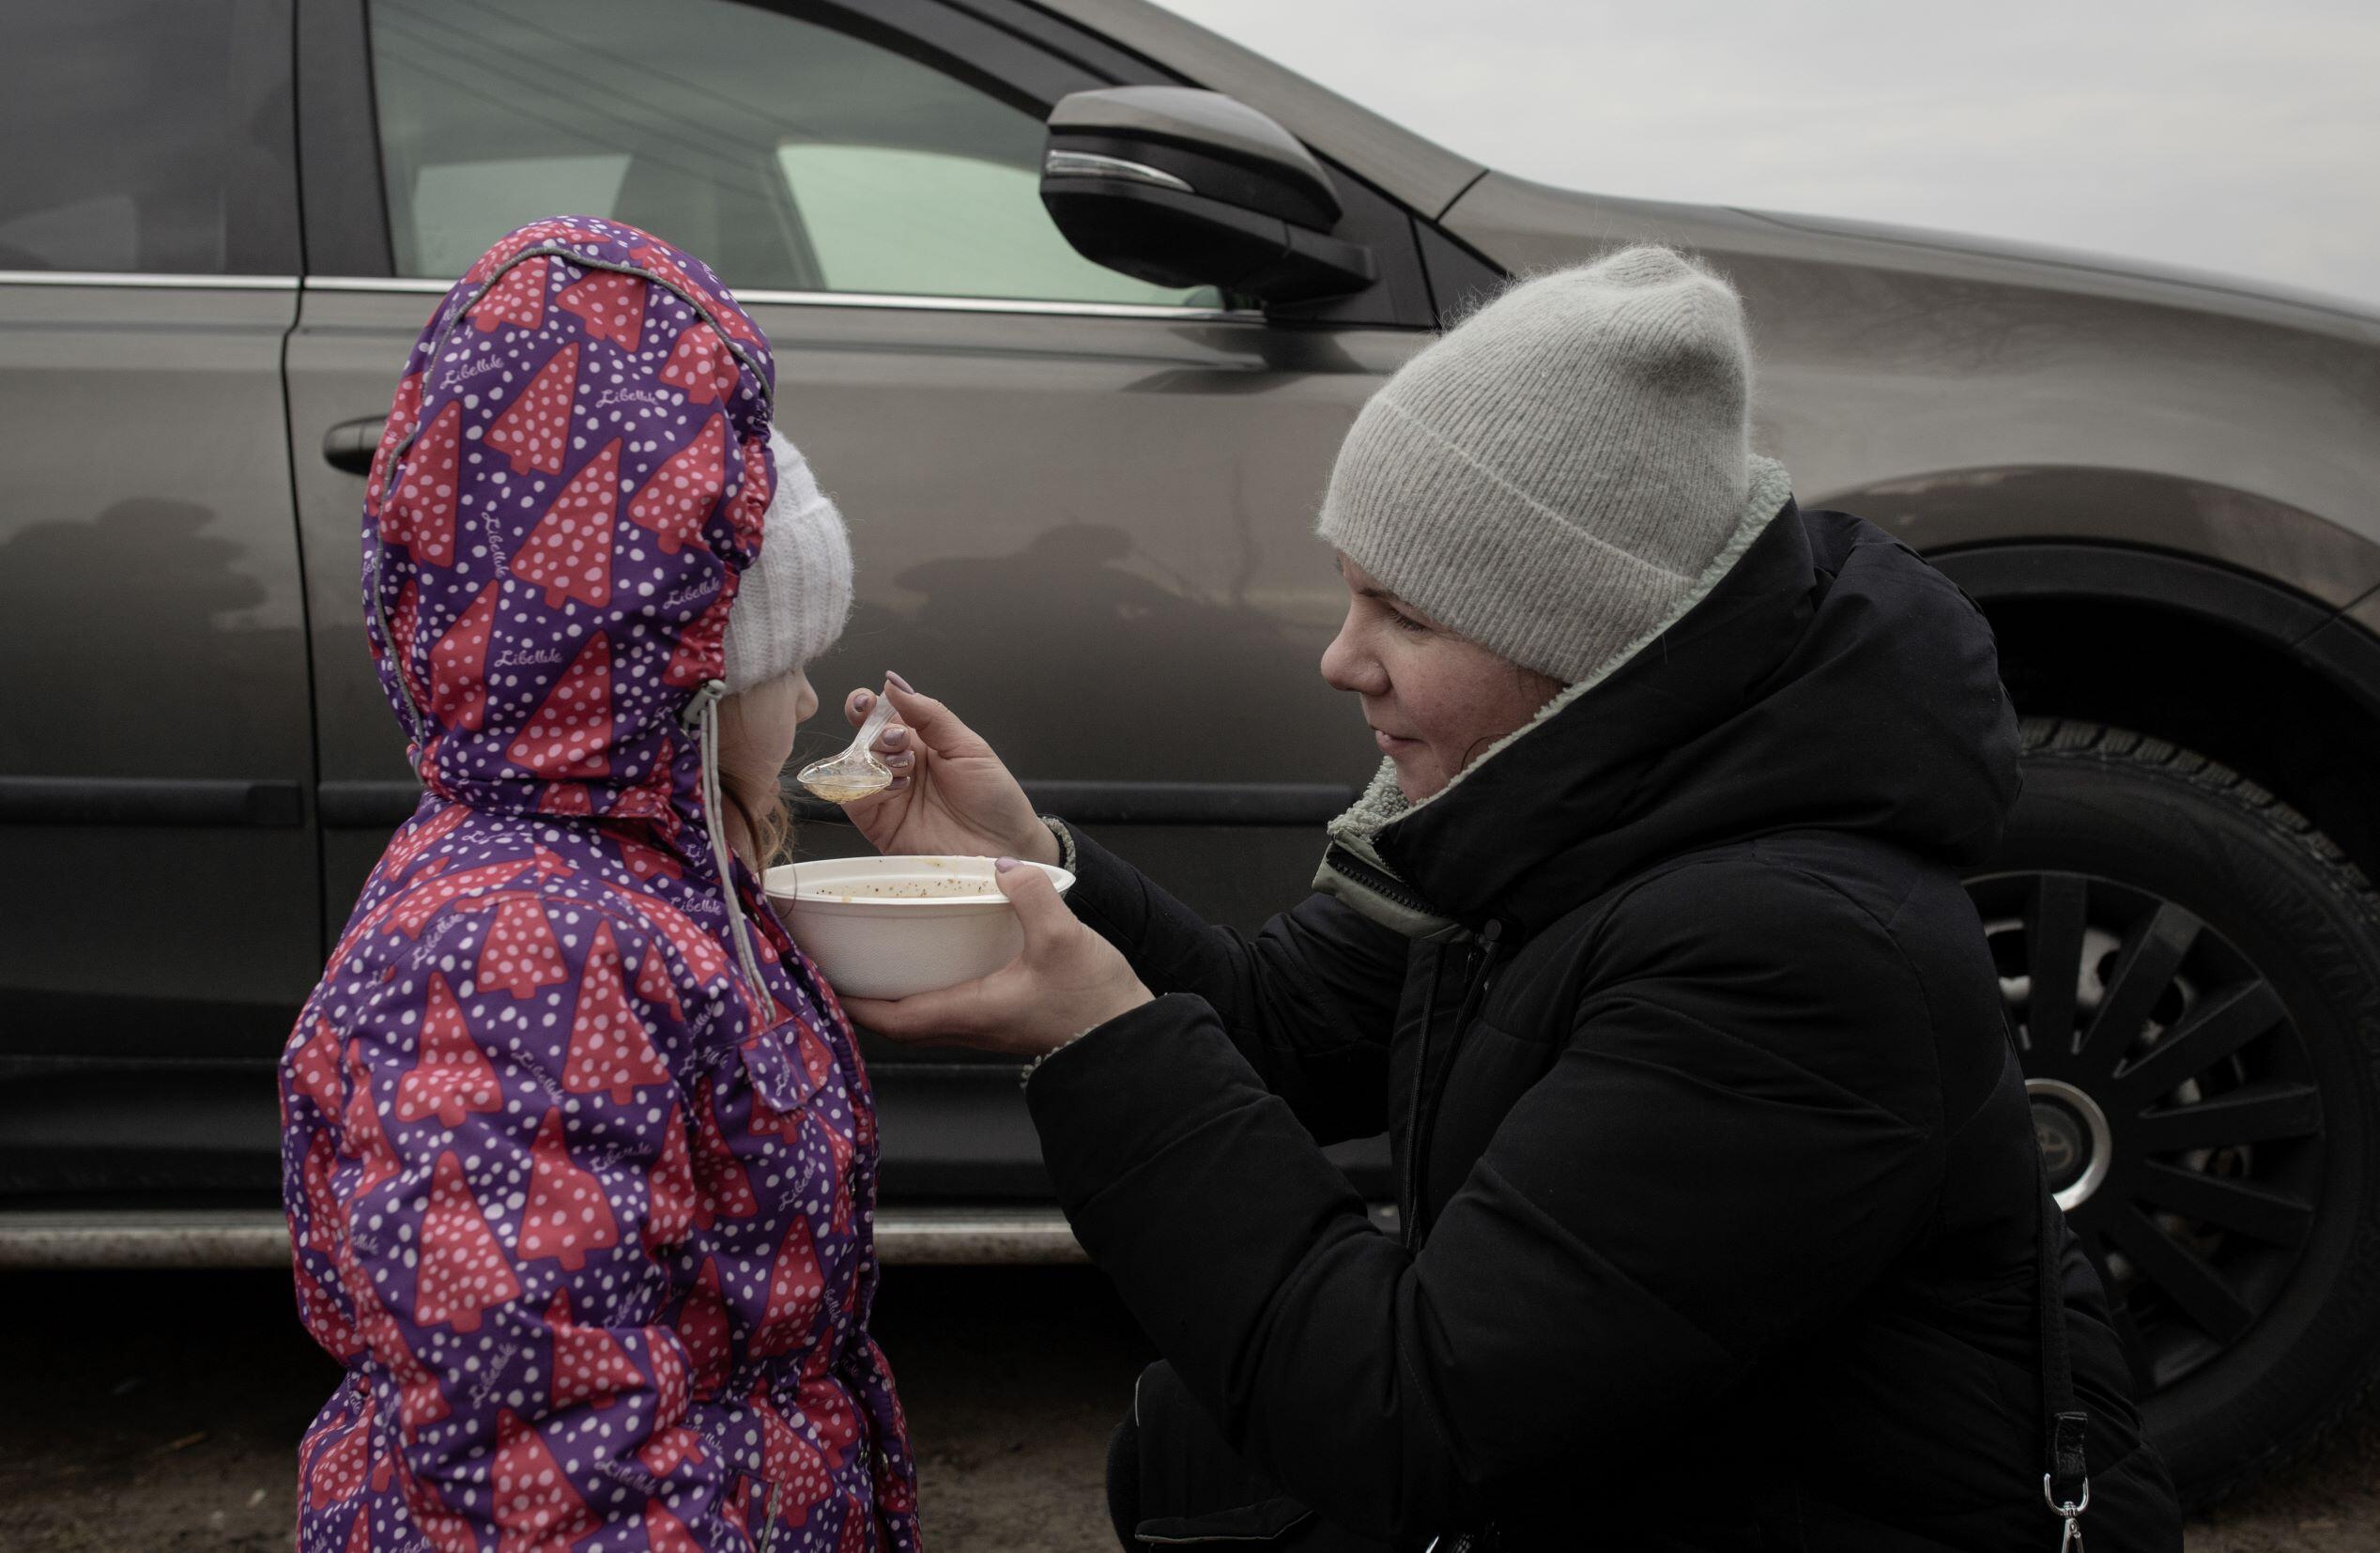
579 1156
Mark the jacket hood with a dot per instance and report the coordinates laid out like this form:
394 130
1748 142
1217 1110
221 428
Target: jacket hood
572 478
1832 680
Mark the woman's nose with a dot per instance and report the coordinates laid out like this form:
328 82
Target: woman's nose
1346 667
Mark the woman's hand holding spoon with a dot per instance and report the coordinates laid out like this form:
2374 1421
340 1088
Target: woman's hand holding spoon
948 793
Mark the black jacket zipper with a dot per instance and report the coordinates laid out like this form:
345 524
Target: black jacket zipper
1421 1118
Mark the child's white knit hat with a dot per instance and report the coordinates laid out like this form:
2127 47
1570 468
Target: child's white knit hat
791 602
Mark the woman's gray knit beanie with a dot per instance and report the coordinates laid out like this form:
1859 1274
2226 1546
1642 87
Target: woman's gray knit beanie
1568 470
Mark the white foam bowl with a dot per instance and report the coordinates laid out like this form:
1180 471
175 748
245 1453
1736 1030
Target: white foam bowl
894 926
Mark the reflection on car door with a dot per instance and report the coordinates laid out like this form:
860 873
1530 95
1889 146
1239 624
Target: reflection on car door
1081 505
154 753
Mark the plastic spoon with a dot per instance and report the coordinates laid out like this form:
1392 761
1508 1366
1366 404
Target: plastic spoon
856 772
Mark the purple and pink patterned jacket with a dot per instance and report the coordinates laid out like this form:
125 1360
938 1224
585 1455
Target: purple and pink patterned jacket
578 1153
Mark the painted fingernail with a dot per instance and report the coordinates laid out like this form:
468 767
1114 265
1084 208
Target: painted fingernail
893 736
901 762
898 681
862 702
897 785
1003 865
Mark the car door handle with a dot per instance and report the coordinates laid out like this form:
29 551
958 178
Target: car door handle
350 444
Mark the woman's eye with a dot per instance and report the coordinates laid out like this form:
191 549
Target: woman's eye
1405 621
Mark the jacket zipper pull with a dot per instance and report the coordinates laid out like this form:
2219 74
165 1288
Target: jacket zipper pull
1491 946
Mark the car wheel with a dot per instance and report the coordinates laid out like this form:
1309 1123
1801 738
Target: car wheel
2194 973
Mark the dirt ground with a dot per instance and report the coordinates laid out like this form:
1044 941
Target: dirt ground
120 1431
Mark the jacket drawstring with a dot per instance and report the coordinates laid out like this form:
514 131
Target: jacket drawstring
704 709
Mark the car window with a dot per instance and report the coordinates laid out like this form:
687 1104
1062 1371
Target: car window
790 154
118 119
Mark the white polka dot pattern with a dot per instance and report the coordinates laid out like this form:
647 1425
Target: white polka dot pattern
587 1219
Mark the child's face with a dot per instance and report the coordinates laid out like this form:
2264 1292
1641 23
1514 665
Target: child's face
756 725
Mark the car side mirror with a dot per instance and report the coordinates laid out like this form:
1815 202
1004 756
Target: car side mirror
1181 188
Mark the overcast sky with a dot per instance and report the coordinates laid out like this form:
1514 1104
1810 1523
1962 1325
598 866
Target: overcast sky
2213 134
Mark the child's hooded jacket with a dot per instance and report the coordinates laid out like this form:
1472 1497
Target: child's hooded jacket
578 1154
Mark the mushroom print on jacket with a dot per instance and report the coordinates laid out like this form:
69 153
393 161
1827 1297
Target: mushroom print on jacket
580 1169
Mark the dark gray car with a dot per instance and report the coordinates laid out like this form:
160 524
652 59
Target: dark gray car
1082 495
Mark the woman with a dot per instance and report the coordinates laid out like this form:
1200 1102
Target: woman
579 1155
1719 1206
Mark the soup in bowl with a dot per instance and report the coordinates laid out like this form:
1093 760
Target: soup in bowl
894 926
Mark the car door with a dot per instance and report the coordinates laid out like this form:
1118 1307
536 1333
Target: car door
155 838
1081 505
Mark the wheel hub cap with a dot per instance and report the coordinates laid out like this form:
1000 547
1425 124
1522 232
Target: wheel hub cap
2072 1132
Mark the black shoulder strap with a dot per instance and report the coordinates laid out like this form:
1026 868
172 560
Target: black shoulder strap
2062 1416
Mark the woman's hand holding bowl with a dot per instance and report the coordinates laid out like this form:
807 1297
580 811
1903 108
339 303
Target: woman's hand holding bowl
951 796
1068 980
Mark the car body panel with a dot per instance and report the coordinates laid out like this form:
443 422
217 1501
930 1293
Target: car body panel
2133 279
2366 613
1970 396
164 899
1960 508
1088 527
1962 389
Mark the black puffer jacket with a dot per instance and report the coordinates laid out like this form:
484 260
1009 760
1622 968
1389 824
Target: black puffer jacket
1718 1173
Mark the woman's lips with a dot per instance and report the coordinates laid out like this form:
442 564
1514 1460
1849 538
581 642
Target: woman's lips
1389 743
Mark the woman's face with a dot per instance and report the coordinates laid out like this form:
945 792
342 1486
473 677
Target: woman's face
1434 701
757 724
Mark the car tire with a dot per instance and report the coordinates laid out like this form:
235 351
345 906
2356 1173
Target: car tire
2204 970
